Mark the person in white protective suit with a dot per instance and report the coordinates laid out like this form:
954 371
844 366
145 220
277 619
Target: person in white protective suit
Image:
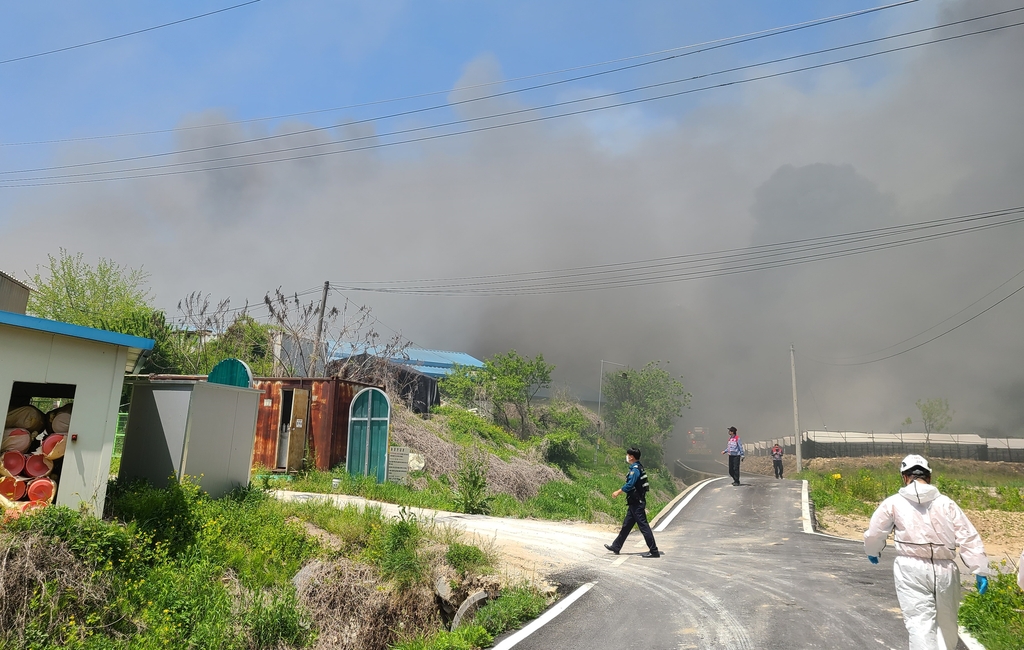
928 529
1020 571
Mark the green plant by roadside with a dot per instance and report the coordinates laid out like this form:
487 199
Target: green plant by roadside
471 484
465 558
392 547
471 637
513 607
996 619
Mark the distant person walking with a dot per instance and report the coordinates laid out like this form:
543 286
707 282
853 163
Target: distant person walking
735 450
777 460
928 529
1020 571
635 488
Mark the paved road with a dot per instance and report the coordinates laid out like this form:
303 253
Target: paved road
738 573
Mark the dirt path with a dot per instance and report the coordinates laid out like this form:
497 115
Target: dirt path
530 548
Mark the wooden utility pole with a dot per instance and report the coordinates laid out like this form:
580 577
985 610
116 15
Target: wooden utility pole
319 331
796 412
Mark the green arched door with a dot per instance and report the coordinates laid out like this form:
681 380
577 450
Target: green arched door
368 419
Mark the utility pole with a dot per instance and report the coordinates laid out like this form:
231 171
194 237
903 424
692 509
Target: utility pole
796 412
319 331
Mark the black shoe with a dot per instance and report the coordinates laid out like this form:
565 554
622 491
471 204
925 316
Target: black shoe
610 548
651 554
735 482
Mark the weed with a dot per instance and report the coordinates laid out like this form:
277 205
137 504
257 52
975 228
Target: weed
510 610
469 637
997 618
471 495
465 558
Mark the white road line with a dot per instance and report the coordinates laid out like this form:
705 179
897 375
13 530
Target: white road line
620 560
668 520
546 618
805 509
970 641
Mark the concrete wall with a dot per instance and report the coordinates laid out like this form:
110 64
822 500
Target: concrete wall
97 372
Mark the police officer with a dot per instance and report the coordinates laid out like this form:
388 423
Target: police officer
636 487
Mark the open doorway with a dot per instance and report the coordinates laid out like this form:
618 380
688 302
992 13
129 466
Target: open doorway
36 429
291 429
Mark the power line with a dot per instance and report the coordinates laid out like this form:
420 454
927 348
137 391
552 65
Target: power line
945 320
24 182
415 111
741 38
936 337
701 265
125 35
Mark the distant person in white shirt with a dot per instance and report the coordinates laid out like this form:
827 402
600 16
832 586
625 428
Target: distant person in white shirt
928 529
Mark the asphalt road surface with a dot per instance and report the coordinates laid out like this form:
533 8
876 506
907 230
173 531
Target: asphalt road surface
738 572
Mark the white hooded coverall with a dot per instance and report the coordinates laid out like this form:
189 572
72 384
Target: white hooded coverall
928 528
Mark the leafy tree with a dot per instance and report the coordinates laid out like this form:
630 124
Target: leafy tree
935 414
509 381
642 407
104 296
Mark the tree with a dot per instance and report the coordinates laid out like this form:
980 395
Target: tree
935 414
509 381
105 296
642 407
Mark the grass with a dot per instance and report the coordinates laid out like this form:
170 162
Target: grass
996 619
859 491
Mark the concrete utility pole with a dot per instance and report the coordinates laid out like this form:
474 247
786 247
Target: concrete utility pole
319 331
796 412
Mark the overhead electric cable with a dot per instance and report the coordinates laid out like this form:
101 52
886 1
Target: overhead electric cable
936 337
730 40
941 322
447 105
23 182
138 31
692 266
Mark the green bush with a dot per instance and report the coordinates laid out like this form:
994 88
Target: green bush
277 619
510 610
465 558
471 481
996 619
470 637
392 548
562 447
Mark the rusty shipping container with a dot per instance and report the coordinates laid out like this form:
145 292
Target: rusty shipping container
312 411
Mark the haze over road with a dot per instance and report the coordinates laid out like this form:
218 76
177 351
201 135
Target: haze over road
738 572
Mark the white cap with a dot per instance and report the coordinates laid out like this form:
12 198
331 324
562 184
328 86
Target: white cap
912 461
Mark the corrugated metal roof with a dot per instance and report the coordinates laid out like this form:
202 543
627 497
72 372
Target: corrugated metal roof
135 344
435 363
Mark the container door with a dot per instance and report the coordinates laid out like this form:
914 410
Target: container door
297 429
380 414
358 430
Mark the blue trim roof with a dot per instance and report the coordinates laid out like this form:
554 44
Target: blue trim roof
74 331
436 363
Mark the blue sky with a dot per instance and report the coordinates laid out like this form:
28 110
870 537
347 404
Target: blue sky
920 135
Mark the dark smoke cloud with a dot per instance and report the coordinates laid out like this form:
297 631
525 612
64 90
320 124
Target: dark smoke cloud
844 150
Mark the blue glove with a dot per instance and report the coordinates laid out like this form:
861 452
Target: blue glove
872 559
982 583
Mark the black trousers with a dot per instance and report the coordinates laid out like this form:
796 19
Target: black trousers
778 468
636 513
734 468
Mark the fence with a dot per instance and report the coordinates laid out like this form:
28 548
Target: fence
839 444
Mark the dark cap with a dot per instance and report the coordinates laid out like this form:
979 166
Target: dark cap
634 452
733 429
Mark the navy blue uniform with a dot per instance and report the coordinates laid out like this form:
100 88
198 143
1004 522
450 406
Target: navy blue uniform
636 513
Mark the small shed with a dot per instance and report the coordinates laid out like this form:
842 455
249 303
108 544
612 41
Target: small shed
43 362
300 417
190 427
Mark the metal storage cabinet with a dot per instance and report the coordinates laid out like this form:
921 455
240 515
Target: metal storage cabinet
194 428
